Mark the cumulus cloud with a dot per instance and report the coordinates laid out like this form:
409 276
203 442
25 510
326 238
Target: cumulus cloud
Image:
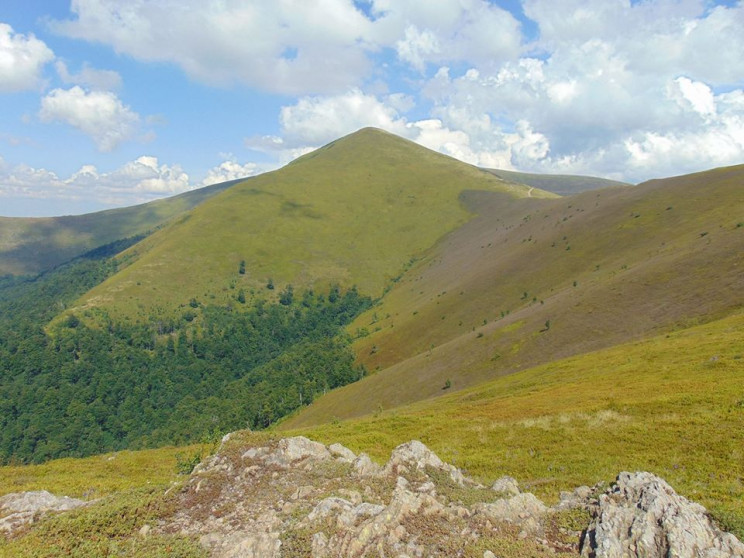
231 170
615 89
138 181
288 47
295 47
104 80
315 121
22 59
98 114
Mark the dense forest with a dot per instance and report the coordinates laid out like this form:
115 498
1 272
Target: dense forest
84 386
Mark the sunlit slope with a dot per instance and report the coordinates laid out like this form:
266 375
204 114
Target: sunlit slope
30 246
352 212
673 405
545 279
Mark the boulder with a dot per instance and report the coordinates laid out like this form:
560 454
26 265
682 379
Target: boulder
22 508
642 516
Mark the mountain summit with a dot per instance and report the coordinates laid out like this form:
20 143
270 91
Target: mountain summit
354 212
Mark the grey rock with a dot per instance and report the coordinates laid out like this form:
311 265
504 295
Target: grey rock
365 467
22 508
328 506
290 450
342 452
524 510
642 516
416 456
243 545
506 485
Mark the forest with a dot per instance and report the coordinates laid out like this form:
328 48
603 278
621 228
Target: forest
81 386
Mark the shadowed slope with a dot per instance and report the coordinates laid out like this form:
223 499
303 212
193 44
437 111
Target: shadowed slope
542 279
353 212
33 245
562 184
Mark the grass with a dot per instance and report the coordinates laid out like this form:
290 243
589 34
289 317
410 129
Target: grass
110 527
558 183
353 212
100 475
635 269
673 405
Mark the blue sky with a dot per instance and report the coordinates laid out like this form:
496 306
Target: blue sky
105 103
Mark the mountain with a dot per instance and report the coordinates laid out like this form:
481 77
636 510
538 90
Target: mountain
33 245
371 293
354 212
562 184
534 280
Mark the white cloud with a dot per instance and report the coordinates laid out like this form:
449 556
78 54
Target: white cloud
295 47
613 89
22 59
315 121
444 31
104 80
289 47
138 181
98 114
417 46
231 170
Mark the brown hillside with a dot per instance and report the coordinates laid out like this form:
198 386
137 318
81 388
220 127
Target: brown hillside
602 267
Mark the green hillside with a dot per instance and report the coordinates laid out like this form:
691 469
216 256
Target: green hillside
354 212
535 280
673 405
33 245
562 184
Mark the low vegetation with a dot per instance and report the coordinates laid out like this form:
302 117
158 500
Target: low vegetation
672 405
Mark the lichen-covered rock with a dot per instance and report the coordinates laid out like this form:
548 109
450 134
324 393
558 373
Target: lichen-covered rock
296 496
294 449
506 485
642 516
524 510
416 456
342 452
365 467
22 508
243 545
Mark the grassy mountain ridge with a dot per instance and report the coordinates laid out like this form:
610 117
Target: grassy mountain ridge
353 212
536 280
33 245
561 184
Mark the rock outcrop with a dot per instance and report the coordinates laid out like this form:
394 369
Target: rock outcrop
641 515
297 497
22 508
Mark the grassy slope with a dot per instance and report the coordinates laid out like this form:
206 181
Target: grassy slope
354 212
33 245
641 260
673 405
557 183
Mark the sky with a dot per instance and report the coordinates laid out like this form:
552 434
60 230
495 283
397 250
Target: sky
109 103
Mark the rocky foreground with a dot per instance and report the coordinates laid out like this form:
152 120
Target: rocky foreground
296 497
